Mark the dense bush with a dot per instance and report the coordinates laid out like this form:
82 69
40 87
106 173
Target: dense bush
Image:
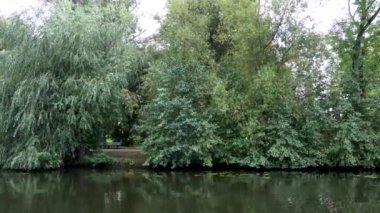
177 121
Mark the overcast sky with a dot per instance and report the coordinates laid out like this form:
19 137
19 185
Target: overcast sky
323 13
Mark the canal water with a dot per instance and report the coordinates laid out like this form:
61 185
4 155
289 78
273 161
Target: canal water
136 191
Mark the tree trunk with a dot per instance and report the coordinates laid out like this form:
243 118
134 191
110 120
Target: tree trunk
357 55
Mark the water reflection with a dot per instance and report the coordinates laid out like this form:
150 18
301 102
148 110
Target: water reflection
142 191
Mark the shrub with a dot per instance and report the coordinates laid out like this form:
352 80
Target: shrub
100 159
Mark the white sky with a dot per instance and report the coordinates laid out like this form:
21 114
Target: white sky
324 12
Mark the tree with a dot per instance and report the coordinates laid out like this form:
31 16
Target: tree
356 41
254 54
353 111
63 81
177 121
365 15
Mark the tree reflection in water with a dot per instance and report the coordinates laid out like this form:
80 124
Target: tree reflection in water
144 191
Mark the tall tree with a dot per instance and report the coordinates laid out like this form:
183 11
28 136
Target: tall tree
362 19
263 64
177 121
63 81
354 112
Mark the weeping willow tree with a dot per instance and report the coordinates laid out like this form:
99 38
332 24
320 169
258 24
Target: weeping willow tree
63 81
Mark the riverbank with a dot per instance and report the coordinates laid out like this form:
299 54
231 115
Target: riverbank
134 158
137 156
132 153
122 158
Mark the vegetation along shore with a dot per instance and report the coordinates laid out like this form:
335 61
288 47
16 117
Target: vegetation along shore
224 83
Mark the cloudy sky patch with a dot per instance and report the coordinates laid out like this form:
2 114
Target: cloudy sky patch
324 12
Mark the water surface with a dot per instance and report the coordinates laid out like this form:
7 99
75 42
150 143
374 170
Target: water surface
86 191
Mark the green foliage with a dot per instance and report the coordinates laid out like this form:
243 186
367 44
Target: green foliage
63 81
355 103
354 141
227 82
100 159
177 122
128 162
269 104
